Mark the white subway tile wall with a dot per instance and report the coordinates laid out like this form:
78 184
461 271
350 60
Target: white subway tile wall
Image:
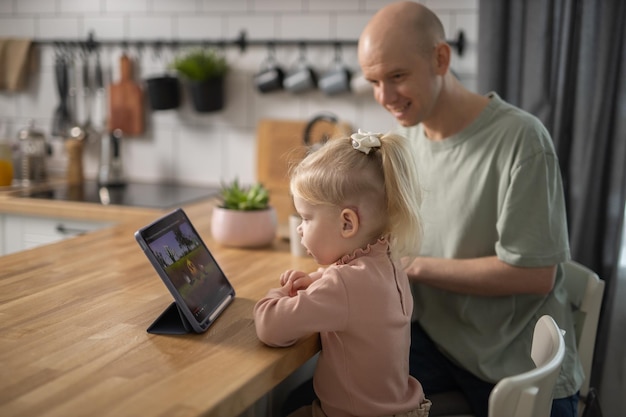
204 149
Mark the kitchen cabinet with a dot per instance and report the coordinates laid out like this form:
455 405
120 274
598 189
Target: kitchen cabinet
19 233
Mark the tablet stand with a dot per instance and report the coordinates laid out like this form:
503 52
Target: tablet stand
171 321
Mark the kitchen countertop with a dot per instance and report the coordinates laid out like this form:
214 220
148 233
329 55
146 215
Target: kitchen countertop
73 319
11 203
56 198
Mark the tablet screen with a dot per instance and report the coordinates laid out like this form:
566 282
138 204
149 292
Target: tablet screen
187 263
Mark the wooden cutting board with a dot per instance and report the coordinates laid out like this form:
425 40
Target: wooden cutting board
280 143
126 111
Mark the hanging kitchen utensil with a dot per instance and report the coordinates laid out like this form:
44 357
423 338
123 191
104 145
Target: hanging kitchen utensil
86 91
99 110
73 80
61 119
126 102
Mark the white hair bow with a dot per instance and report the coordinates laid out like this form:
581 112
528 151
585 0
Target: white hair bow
365 141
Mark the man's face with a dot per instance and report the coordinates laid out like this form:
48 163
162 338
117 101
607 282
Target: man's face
404 82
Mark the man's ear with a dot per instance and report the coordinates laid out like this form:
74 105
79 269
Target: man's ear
442 56
349 222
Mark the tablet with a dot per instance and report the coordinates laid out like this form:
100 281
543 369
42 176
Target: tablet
200 289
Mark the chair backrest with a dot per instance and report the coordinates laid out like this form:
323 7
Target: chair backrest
584 291
530 394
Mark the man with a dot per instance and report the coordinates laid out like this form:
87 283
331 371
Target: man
493 210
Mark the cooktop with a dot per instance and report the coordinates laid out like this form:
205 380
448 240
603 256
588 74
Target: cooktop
160 196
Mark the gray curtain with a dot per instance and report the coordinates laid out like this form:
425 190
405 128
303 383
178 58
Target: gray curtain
565 62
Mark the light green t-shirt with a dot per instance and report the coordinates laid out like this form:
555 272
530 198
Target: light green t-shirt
494 189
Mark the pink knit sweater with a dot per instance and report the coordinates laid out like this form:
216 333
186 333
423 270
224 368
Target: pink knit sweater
361 306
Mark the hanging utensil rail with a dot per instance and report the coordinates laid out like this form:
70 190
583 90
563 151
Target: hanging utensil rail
242 42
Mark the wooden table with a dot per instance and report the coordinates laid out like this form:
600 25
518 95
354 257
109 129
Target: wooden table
73 340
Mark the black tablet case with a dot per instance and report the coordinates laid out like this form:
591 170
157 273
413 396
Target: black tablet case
171 321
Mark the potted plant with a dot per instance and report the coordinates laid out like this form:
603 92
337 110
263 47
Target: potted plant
203 71
244 218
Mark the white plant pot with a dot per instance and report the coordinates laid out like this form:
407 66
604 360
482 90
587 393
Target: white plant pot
244 229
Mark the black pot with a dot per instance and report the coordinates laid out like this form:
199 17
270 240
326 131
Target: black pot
163 92
207 95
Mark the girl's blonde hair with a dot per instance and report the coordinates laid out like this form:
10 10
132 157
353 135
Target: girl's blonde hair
385 181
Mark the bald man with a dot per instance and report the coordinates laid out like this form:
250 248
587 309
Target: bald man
493 210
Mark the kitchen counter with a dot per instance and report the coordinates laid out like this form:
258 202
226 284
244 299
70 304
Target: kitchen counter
111 203
12 203
73 319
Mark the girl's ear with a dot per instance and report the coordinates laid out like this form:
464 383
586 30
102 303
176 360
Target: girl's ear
349 222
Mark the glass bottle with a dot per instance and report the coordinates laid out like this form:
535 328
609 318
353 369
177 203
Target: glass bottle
6 156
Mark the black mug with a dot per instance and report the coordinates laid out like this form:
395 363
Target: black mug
269 79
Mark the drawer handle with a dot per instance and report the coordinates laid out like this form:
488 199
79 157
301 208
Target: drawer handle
70 230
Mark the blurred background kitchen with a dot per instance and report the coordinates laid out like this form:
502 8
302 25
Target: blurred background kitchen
182 145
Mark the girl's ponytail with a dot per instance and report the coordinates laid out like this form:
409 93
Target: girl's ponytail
404 194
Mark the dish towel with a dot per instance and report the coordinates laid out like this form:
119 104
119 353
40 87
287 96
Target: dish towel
14 63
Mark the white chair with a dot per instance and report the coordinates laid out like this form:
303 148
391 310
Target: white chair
530 394
584 291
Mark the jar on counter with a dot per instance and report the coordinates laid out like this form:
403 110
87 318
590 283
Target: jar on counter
6 157
30 157
6 164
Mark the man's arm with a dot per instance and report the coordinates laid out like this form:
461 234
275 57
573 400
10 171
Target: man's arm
487 276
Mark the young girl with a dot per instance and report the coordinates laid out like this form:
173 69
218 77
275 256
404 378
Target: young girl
359 200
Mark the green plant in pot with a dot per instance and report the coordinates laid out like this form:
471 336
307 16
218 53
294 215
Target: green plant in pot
244 218
203 71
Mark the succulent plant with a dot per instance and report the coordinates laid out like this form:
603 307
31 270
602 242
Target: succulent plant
236 197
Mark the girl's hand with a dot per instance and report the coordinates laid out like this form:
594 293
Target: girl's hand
284 277
295 281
